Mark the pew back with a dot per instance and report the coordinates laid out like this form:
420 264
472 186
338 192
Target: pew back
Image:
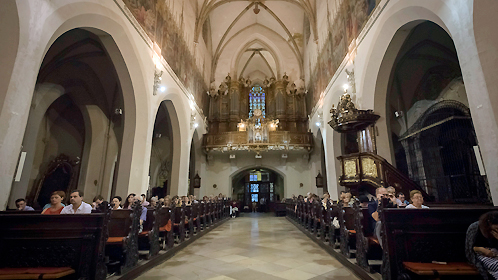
425 235
120 223
54 241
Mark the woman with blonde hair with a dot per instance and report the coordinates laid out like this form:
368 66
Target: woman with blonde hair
417 200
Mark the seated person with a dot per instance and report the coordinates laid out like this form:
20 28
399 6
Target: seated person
326 198
97 200
153 201
176 201
144 201
116 202
417 200
21 205
186 200
77 206
346 199
130 199
391 193
486 242
375 223
363 201
166 201
56 205
400 200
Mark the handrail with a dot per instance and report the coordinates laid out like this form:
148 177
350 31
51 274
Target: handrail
370 168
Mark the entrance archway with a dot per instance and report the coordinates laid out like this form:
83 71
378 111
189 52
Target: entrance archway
257 189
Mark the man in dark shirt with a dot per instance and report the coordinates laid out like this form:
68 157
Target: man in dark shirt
374 218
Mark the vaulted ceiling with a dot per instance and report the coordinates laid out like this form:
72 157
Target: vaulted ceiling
255 39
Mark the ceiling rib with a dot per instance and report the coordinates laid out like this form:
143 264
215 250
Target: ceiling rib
249 60
208 7
230 28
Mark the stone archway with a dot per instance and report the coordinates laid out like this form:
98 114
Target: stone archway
257 187
77 76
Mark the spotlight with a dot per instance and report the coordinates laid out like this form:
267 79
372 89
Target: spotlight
196 125
317 123
162 88
345 86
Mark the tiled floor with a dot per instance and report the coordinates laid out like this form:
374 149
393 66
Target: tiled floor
256 246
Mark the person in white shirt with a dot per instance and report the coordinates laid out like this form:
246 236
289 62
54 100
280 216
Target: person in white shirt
417 200
77 206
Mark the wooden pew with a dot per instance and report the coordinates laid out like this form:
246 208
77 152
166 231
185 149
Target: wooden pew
122 243
179 222
326 223
347 231
165 218
316 215
149 237
189 221
195 217
34 246
367 245
333 233
202 214
413 238
280 209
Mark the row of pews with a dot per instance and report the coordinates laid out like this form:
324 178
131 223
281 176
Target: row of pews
416 243
89 246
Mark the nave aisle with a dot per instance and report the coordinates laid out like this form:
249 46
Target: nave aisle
253 247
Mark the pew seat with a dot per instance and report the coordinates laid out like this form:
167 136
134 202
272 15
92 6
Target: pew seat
35 273
115 240
166 227
436 269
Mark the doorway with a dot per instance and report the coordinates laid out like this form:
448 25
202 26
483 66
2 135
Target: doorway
257 190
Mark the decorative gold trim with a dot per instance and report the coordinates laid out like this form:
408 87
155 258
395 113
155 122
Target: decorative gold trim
350 169
369 167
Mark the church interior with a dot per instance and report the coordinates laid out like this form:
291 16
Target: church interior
254 109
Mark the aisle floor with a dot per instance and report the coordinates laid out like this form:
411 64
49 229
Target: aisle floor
255 246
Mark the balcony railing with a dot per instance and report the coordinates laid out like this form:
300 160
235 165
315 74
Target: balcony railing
240 141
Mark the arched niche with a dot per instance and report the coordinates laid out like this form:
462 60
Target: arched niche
166 150
421 69
77 73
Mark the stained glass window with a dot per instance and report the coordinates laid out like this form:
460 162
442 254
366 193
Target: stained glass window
254 177
254 198
257 100
254 187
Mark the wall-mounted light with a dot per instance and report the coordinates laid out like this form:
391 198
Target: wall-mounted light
398 114
345 87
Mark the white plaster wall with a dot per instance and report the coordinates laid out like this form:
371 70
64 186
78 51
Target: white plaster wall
295 170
